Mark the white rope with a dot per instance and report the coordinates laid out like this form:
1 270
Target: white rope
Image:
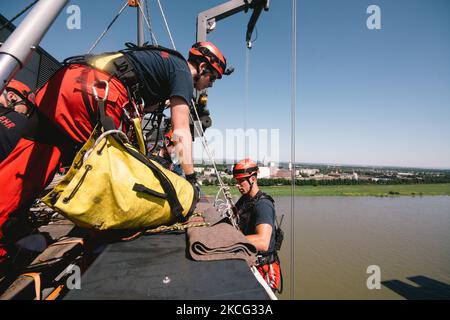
293 111
107 28
263 283
167 26
147 22
147 14
223 188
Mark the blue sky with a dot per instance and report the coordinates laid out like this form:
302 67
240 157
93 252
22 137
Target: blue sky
368 97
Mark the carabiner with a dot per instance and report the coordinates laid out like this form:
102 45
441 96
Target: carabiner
94 90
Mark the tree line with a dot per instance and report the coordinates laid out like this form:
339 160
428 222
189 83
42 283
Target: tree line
334 182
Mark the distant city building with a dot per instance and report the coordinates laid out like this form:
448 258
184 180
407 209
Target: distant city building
405 174
282 173
309 172
335 174
264 172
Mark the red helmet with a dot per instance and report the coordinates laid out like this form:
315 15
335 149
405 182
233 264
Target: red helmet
245 169
21 89
211 54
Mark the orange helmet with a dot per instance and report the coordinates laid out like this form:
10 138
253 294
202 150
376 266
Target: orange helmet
21 89
211 54
245 169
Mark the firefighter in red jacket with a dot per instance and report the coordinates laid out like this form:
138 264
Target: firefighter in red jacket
67 111
15 104
257 220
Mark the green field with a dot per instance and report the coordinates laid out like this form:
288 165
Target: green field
348 190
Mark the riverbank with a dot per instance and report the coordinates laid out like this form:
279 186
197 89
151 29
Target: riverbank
351 190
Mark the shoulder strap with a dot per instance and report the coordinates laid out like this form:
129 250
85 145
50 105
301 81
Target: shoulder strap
264 195
4 111
132 47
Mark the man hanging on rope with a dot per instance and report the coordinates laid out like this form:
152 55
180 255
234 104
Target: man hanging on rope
257 220
67 111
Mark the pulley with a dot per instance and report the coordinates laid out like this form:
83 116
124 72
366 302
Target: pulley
133 3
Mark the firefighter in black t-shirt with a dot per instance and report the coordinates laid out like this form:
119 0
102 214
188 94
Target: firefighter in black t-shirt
67 110
257 220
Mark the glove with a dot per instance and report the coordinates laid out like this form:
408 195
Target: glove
192 179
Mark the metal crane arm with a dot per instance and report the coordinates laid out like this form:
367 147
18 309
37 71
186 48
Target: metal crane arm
206 20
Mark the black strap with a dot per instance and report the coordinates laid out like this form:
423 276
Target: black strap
248 170
262 195
132 47
4 111
267 257
106 121
175 206
87 104
143 189
40 129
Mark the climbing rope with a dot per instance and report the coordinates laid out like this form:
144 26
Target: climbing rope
147 22
293 109
147 14
146 19
225 208
167 26
107 28
18 15
179 226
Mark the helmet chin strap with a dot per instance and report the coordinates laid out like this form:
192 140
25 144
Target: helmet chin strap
15 103
11 104
251 187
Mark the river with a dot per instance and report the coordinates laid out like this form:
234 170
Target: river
337 238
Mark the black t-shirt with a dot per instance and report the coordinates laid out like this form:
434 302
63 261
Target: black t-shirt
163 74
11 126
261 211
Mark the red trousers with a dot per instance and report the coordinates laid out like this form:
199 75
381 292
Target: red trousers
30 167
271 273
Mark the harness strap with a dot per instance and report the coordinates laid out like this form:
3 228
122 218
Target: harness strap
5 111
90 110
37 283
55 293
40 129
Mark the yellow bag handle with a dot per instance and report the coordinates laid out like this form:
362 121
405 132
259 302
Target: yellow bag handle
103 135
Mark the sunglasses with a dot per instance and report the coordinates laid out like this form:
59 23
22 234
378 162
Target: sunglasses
212 76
